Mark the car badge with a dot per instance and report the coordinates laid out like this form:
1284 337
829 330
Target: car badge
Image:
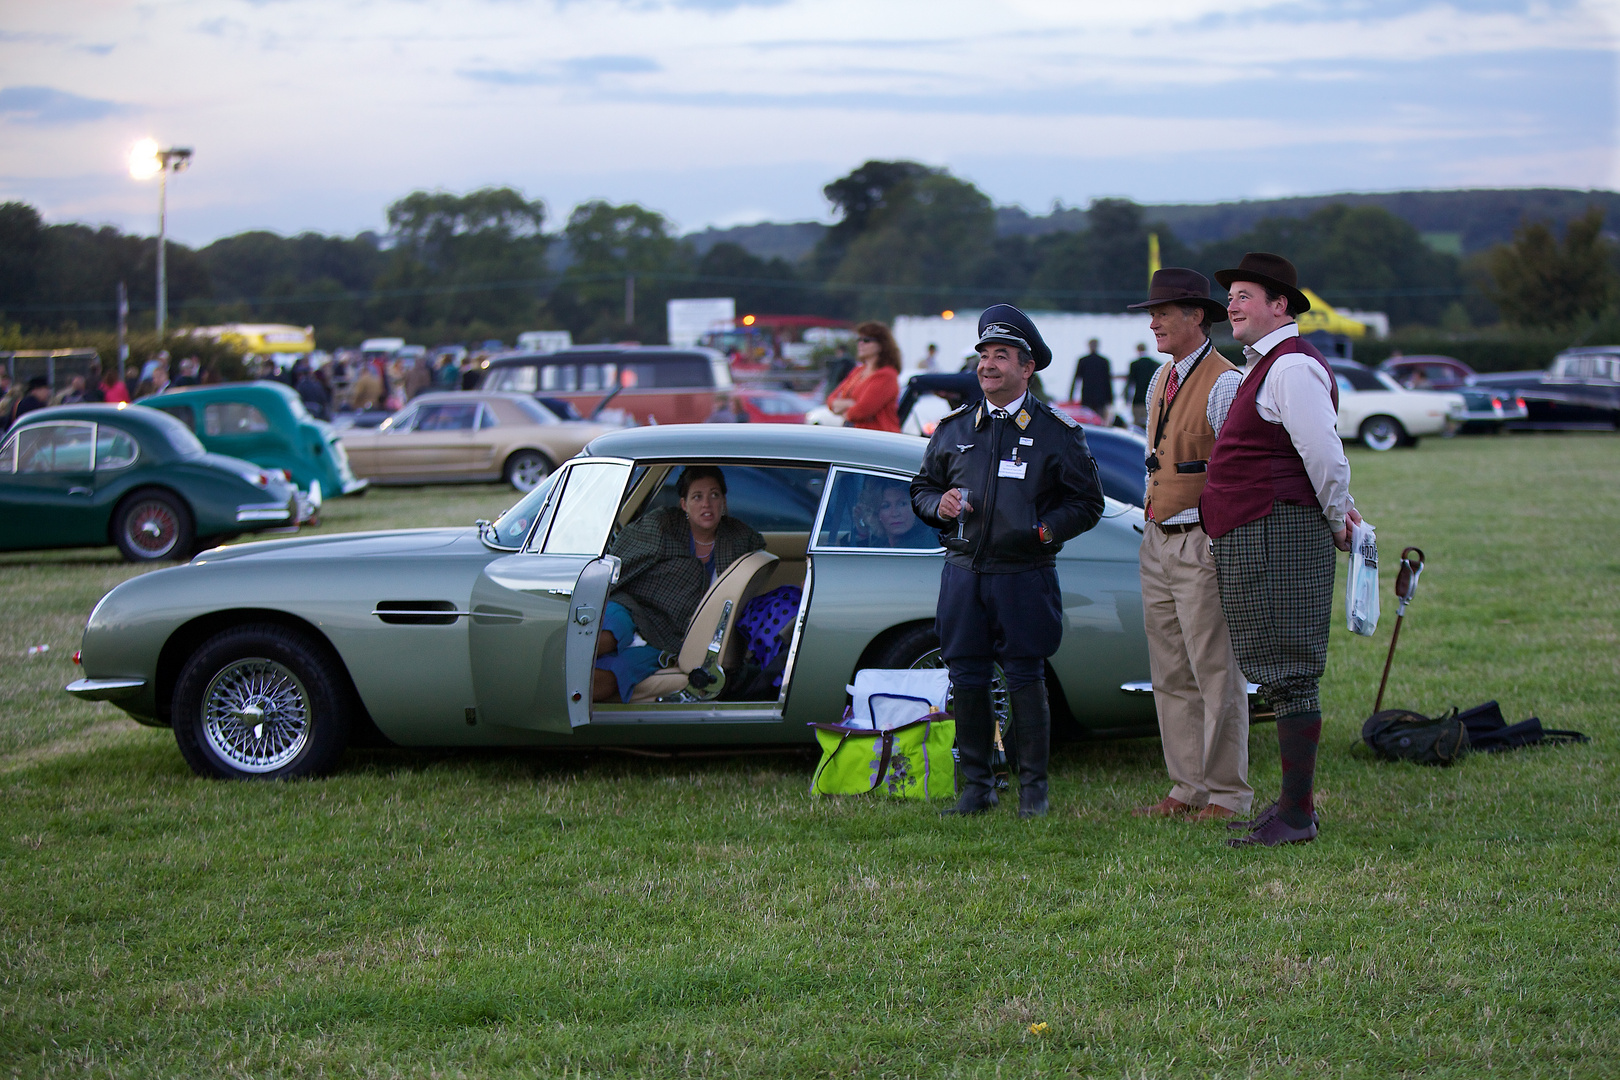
963 447
1022 419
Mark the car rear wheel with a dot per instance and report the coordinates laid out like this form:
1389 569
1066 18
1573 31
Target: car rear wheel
1382 433
152 525
526 469
261 702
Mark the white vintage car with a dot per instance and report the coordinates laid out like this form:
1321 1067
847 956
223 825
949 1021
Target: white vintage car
1383 414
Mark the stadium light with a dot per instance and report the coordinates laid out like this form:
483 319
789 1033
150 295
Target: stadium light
145 162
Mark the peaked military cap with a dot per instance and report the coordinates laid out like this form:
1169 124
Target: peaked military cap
1007 325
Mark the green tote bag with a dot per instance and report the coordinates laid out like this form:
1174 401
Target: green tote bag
909 761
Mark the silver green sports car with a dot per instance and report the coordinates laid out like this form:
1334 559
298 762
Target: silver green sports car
267 659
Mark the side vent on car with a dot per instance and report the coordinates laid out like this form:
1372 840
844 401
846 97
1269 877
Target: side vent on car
417 612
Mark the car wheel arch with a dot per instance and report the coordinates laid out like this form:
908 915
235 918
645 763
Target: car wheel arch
191 636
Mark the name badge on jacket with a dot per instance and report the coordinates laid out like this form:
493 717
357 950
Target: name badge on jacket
1013 470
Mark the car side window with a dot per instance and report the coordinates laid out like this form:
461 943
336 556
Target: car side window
183 413
448 417
114 448
54 448
586 508
1344 384
487 419
870 511
524 378
8 456
233 418
768 499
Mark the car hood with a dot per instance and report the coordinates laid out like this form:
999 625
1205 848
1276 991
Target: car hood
351 545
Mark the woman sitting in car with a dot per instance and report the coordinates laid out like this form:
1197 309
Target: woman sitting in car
885 518
669 558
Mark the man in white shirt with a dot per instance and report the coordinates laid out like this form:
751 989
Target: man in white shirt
1276 504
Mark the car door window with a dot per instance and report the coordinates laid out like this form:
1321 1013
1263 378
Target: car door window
233 418
1344 384
114 448
871 511
8 456
523 379
586 508
447 417
559 378
487 418
54 448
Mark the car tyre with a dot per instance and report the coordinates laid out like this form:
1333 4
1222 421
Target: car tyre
261 702
1382 433
153 525
526 469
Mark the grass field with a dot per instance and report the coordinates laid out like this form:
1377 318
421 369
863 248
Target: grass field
521 914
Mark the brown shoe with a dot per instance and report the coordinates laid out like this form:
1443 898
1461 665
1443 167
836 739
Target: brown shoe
1214 812
1165 807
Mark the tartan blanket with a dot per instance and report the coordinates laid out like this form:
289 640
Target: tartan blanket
1276 579
661 582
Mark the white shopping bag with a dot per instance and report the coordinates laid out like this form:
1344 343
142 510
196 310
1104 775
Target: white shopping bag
1361 584
904 695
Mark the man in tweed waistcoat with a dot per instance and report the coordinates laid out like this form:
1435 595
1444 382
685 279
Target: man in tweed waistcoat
1276 505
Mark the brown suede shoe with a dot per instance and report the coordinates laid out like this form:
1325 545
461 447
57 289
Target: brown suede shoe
1165 807
1214 812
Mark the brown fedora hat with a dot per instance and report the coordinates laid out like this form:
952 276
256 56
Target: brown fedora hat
1272 271
1179 285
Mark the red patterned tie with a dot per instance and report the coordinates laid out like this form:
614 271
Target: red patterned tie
1171 386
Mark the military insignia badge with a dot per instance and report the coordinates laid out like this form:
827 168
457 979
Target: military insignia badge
1022 419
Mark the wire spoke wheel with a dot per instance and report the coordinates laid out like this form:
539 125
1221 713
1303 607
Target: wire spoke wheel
999 707
152 528
256 715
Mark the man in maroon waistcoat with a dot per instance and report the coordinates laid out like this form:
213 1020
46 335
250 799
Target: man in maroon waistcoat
1276 505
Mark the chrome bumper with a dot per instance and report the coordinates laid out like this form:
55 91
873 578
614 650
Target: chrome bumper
264 512
104 689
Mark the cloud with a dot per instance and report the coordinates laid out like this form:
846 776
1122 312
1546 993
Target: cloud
46 107
584 70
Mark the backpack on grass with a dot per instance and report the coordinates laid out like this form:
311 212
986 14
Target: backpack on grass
1404 735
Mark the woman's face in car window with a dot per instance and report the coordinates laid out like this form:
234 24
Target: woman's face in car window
705 505
894 511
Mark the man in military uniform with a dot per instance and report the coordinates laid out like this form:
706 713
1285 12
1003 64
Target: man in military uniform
1007 481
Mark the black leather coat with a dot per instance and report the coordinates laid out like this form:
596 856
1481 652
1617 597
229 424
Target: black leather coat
1060 487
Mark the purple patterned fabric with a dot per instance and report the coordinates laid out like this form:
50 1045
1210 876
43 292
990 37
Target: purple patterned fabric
763 619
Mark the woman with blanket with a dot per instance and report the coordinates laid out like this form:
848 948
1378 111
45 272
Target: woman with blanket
668 559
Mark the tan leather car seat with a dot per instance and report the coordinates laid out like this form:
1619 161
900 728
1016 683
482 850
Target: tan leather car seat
740 583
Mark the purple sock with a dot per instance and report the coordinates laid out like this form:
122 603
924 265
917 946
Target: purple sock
1297 737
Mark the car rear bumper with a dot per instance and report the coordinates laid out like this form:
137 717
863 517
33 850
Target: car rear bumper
105 689
249 512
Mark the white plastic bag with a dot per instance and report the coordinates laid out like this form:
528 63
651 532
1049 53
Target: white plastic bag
1361 584
904 695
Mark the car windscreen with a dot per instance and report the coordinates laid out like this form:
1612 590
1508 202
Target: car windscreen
1359 378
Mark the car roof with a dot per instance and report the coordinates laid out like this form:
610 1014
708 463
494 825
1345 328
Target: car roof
746 442
231 390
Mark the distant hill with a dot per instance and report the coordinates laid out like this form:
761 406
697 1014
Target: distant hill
1460 222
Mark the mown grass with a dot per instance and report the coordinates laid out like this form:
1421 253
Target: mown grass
521 914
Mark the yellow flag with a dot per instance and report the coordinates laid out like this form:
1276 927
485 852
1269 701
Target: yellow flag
1153 256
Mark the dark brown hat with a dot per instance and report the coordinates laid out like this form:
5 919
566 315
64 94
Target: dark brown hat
1273 271
1178 285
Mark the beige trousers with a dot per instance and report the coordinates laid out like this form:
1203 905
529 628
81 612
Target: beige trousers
1199 691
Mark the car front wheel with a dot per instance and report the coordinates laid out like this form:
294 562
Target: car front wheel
261 702
152 525
526 469
1382 433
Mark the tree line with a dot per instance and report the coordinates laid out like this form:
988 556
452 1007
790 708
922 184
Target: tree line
907 238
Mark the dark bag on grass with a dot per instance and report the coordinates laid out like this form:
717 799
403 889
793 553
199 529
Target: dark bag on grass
1490 733
1404 735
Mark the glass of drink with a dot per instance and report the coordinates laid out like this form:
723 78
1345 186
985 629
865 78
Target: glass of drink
967 508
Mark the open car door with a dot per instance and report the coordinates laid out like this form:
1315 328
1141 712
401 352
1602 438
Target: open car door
536 614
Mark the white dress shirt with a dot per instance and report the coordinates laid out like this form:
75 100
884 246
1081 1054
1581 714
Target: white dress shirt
1298 394
1011 408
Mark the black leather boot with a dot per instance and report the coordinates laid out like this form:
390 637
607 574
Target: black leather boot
975 730
1032 741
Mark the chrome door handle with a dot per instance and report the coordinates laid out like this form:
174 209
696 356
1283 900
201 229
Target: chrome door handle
79 491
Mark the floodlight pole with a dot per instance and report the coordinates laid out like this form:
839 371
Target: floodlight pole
174 160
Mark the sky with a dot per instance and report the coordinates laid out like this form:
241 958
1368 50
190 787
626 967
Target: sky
316 114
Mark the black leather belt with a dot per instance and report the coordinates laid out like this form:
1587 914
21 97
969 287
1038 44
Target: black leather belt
1171 530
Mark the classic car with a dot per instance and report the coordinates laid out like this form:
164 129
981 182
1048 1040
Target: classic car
761 405
1383 414
265 422
461 437
1485 408
267 658
88 475
648 383
1580 390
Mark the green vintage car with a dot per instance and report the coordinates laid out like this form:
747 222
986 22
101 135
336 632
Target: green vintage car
266 423
87 475
267 658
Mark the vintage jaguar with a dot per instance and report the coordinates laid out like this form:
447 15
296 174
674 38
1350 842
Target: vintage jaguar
267 659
